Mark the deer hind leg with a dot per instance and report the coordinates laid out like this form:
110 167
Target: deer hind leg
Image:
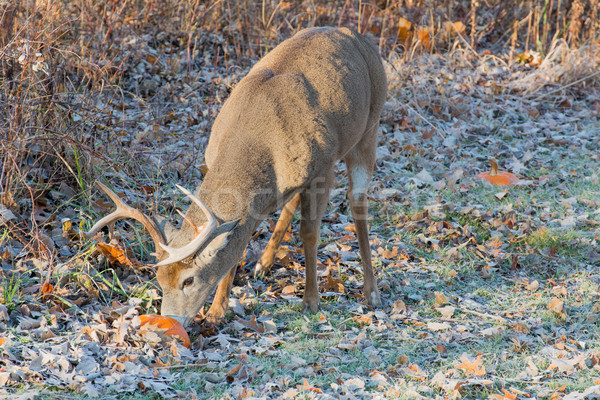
267 258
360 162
217 310
313 202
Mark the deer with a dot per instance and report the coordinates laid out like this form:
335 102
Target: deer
313 100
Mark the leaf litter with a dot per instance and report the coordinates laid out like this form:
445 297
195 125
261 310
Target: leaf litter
490 293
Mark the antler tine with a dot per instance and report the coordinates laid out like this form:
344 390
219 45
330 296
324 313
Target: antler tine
125 211
181 253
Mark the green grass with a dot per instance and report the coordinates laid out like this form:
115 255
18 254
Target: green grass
12 288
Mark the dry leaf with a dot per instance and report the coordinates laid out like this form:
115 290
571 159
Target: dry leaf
437 326
506 396
520 327
455 28
440 299
363 320
402 359
470 366
252 324
533 286
114 253
447 311
398 307
491 332
404 27
558 307
333 285
163 324
288 290
441 348
306 386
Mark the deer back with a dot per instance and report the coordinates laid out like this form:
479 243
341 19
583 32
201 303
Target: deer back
299 110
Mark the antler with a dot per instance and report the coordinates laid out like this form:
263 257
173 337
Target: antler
125 211
174 253
181 253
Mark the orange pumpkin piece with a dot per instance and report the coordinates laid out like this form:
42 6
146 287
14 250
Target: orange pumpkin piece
167 325
496 177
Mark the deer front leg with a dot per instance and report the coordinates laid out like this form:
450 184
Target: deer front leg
267 258
312 206
219 305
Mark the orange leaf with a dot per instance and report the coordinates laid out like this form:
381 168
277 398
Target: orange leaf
453 28
364 320
306 386
114 253
167 325
506 396
424 36
47 289
440 299
496 177
558 307
404 26
472 367
334 285
288 290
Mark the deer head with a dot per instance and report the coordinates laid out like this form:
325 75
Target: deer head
181 270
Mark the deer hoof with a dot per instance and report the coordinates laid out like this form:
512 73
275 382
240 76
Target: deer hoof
373 299
260 270
310 306
215 315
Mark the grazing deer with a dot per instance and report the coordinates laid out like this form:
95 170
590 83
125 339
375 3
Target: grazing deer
313 100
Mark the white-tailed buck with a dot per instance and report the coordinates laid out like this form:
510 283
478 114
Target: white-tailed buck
312 101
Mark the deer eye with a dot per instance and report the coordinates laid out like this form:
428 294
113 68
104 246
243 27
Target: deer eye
187 282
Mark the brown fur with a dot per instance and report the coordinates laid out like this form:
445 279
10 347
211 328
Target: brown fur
313 100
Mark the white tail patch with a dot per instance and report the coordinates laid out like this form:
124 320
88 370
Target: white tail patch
360 181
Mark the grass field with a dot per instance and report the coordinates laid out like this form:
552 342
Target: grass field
490 292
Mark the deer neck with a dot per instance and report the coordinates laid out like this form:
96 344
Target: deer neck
230 200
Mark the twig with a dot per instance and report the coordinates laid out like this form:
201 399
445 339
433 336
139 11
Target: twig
566 86
438 130
180 366
484 315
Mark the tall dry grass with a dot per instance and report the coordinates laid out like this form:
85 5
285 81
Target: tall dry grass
57 58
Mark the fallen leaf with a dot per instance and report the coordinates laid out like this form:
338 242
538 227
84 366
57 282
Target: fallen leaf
440 299
533 286
363 320
114 253
557 306
333 285
447 311
436 326
306 386
288 290
506 396
252 324
520 327
398 307
470 366
163 324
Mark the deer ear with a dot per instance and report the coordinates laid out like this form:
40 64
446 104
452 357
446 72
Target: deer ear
224 233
